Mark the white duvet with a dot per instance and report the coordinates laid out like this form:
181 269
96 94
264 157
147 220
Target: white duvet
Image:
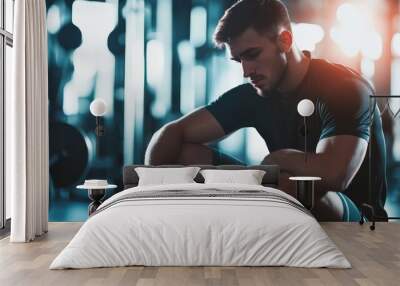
200 231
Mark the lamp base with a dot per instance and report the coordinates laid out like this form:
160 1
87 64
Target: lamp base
305 190
100 130
305 193
97 196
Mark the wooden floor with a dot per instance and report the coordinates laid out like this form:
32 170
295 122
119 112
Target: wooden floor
374 255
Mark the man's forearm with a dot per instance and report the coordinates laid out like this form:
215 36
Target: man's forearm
164 146
293 162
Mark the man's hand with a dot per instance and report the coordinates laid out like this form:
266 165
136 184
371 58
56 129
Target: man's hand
276 157
182 141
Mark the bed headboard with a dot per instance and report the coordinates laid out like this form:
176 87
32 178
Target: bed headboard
270 179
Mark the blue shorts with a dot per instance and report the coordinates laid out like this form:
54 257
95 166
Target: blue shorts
350 210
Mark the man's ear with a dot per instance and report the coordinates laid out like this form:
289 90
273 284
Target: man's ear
285 41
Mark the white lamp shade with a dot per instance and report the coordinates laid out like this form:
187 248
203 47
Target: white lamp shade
305 107
98 107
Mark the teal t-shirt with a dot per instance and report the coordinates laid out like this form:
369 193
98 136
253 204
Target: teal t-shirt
341 99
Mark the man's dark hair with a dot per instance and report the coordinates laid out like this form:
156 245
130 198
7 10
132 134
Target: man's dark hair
265 16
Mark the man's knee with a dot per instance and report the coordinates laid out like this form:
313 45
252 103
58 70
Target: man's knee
328 207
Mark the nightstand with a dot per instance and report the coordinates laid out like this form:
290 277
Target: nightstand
305 190
96 192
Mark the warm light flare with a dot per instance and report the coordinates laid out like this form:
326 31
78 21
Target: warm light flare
355 33
345 40
307 36
368 68
396 45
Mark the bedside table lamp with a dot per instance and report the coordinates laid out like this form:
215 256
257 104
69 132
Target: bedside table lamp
96 191
305 108
98 108
305 184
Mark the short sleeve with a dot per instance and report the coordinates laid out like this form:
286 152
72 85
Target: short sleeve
346 110
235 108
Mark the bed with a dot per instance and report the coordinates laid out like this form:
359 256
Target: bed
198 224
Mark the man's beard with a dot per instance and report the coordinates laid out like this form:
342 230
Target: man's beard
271 89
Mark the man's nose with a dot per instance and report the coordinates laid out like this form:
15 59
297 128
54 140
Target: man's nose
248 69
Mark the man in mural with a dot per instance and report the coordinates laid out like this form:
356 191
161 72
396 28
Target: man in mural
258 36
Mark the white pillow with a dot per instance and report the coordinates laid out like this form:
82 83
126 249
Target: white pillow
162 176
249 177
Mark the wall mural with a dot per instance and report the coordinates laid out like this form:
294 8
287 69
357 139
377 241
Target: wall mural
151 62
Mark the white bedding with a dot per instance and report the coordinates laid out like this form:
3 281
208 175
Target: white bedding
182 231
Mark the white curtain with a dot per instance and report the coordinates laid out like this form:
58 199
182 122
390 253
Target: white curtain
27 124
